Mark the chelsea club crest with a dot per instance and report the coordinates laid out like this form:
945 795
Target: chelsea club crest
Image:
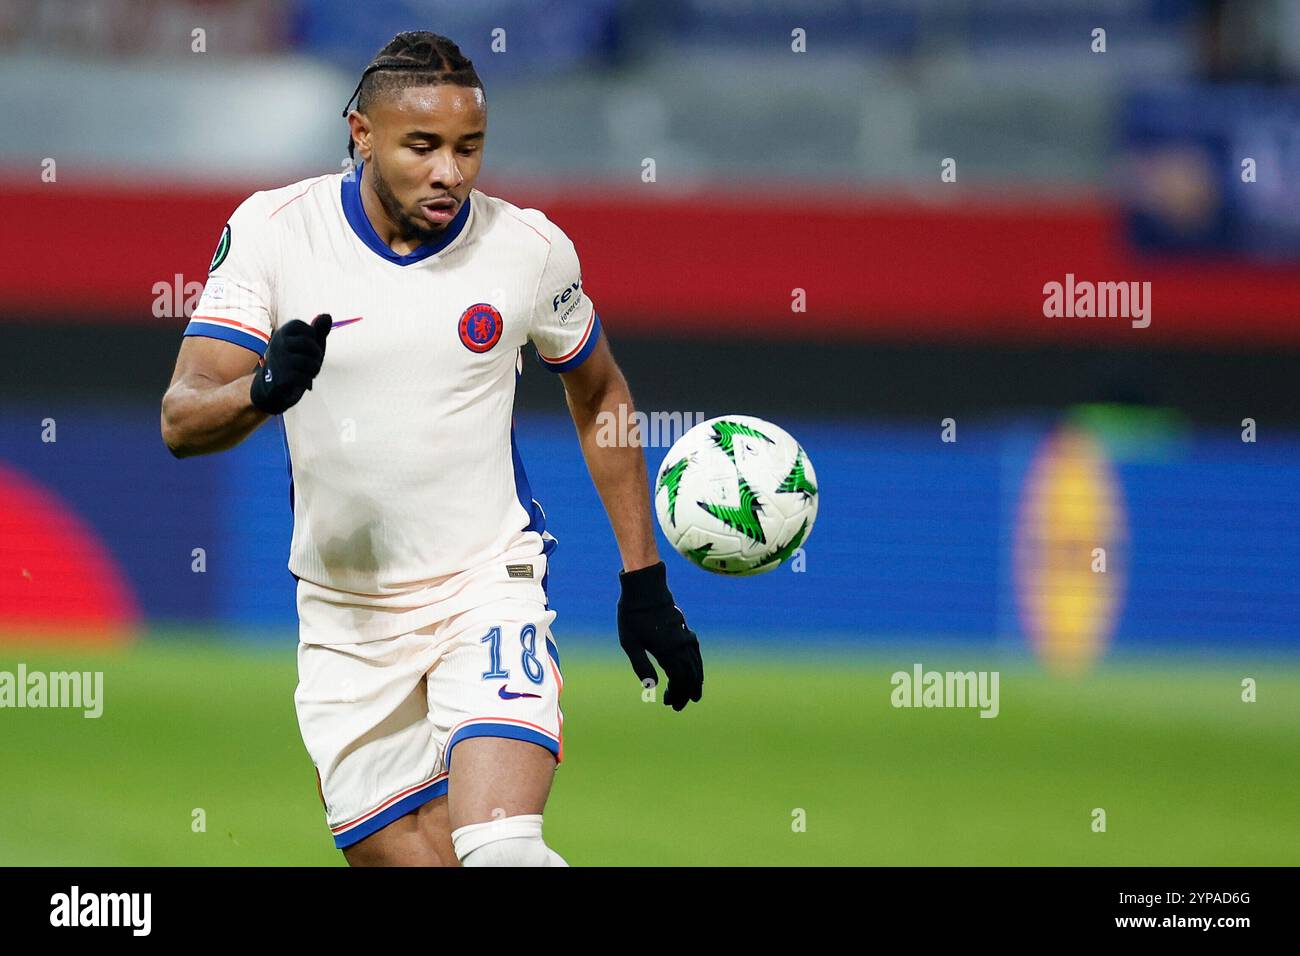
480 327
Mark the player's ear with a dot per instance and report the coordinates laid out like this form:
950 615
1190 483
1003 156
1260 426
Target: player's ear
361 132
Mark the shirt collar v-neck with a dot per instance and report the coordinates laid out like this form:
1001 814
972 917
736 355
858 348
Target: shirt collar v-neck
355 214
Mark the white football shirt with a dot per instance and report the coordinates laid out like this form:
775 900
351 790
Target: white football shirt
409 497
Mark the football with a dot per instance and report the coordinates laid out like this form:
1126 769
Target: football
736 495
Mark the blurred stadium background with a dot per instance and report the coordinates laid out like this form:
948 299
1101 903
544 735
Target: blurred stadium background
132 138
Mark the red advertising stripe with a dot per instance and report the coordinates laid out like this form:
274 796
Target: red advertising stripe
709 265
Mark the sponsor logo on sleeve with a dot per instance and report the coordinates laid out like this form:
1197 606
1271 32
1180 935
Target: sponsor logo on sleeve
571 297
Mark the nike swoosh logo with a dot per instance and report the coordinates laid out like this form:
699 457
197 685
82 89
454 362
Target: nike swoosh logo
511 695
346 322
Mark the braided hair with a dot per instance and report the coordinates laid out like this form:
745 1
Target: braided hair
412 58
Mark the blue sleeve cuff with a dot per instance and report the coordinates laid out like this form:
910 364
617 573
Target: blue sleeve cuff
211 331
575 358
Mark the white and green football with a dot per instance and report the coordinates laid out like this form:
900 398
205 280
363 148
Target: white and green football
736 495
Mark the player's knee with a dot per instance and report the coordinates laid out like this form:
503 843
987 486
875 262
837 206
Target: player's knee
509 841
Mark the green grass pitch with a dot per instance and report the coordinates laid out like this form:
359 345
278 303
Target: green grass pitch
1186 772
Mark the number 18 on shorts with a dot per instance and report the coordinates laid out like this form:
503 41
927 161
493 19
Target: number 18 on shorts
381 719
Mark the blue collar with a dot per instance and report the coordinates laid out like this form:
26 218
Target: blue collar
355 213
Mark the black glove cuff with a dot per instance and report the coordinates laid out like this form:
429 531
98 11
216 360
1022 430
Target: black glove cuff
263 396
645 587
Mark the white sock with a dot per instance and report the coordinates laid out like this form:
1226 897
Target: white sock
509 841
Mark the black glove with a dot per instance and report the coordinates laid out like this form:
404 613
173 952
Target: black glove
293 359
648 620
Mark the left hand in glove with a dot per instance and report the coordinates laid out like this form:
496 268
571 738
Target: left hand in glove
649 622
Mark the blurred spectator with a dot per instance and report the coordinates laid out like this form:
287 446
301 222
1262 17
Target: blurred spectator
1251 40
117 28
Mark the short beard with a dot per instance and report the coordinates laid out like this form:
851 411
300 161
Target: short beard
408 226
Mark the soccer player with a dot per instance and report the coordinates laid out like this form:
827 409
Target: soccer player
381 313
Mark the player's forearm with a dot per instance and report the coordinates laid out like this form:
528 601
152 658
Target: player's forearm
619 473
199 418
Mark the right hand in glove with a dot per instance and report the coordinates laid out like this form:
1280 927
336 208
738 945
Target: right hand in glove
293 358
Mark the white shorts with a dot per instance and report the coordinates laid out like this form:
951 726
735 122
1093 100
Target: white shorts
380 718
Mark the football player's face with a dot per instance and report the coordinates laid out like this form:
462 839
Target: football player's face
425 147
